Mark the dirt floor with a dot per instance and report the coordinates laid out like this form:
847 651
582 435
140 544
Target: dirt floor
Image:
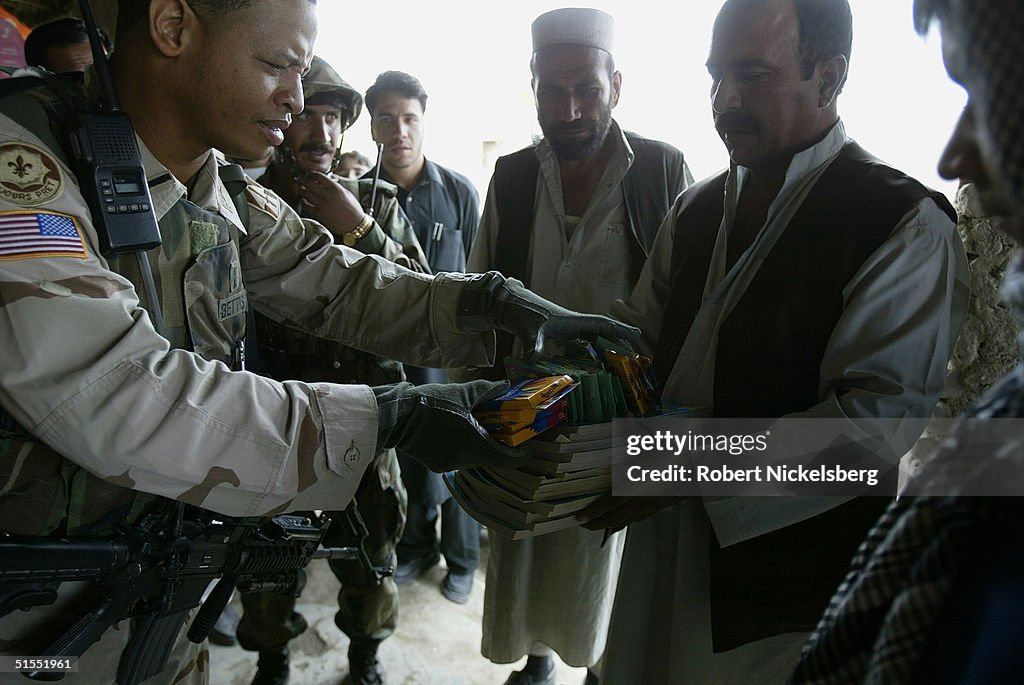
437 642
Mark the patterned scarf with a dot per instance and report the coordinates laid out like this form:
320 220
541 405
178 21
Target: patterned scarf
992 68
878 622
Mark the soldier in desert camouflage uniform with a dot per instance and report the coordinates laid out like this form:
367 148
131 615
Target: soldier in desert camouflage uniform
302 174
101 414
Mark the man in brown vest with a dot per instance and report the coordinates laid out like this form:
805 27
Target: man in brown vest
825 285
574 216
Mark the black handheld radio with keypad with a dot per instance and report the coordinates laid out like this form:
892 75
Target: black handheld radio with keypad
108 165
111 176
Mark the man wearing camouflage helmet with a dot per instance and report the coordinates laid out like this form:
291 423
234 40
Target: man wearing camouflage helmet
303 169
302 173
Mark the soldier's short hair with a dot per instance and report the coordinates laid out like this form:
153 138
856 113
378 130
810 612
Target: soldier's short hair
130 11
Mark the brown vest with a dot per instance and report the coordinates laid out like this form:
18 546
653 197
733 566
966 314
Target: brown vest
769 354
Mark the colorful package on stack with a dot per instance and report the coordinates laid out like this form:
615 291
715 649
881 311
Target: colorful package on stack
584 387
615 382
529 408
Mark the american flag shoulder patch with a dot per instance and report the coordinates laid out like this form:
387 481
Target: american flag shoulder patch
27 234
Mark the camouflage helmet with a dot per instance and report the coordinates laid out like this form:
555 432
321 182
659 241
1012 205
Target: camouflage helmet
322 82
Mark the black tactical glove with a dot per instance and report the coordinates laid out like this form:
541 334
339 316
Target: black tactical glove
432 423
490 301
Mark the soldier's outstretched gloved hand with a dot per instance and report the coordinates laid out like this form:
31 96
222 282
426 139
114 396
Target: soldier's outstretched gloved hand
432 424
491 301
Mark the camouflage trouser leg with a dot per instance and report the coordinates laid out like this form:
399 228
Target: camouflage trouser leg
269 621
28 633
367 613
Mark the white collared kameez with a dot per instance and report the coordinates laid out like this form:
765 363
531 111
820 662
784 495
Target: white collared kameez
661 625
558 588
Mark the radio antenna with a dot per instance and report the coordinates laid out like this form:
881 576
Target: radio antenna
99 59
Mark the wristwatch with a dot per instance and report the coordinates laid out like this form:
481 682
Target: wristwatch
356 234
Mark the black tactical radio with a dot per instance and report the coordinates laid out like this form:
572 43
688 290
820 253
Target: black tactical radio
113 182
108 165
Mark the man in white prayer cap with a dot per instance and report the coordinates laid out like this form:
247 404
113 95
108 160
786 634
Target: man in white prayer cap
574 216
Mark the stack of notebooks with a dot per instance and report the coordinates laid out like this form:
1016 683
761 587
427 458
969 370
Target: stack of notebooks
568 468
564 405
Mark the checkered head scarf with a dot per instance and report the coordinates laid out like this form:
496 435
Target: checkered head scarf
991 36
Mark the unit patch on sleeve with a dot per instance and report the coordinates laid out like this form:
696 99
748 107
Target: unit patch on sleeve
262 199
28 175
25 234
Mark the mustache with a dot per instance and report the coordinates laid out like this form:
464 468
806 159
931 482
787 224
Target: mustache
571 128
734 120
316 148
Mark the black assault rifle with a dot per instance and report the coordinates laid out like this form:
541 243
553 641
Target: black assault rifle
159 569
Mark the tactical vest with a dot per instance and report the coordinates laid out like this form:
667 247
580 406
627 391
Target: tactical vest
199 284
286 353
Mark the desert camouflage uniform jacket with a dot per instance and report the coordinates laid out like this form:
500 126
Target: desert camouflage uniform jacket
285 353
92 392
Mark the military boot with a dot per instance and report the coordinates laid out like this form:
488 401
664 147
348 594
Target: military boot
272 667
363 667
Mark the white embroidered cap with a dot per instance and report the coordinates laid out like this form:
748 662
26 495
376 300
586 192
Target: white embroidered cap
574 26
